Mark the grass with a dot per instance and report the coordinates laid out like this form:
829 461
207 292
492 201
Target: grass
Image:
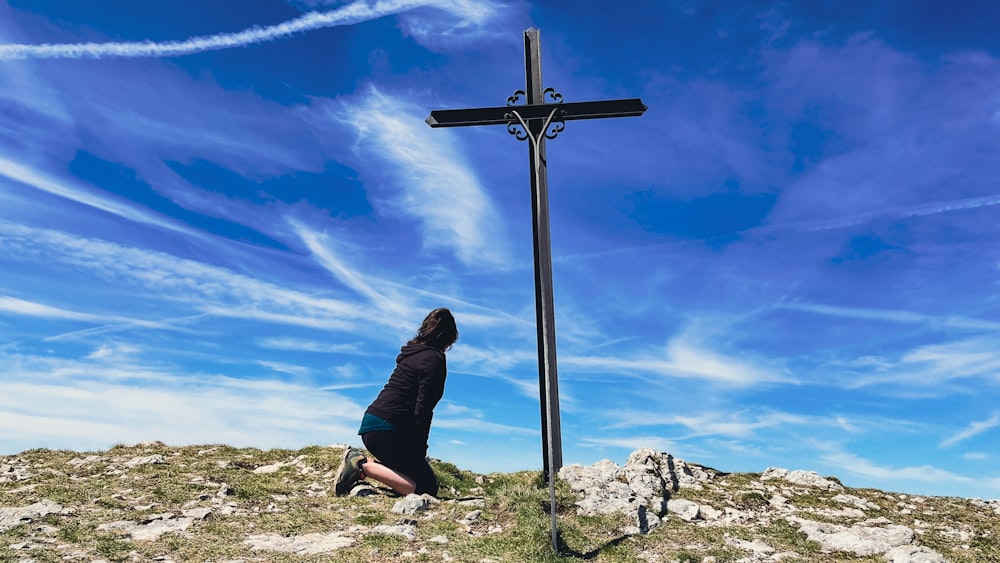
294 497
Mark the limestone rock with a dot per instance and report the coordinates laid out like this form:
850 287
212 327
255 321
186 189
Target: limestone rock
649 473
755 546
914 554
640 489
151 531
306 544
411 504
155 459
599 489
408 531
11 517
14 472
868 538
686 510
858 502
801 477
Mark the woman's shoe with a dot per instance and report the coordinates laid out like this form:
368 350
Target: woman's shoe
349 472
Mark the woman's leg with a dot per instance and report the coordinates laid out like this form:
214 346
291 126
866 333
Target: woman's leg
392 479
400 465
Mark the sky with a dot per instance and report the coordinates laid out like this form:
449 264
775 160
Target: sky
219 221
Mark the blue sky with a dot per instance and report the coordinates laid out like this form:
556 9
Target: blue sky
219 221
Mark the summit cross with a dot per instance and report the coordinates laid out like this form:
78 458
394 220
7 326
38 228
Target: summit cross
542 115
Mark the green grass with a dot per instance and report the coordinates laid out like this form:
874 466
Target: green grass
514 525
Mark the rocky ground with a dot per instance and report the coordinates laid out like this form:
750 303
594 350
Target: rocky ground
153 502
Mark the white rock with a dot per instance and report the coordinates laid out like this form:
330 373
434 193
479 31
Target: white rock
756 546
267 469
867 538
307 544
10 517
155 459
410 504
856 501
684 509
914 554
801 477
200 513
406 530
156 528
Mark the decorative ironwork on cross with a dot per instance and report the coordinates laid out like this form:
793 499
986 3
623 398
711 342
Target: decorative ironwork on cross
536 114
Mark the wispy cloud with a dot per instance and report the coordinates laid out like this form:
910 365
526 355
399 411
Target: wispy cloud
903 212
41 311
74 192
96 403
432 182
480 425
896 316
867 468
714 423
974 429
682 359
305 345
630 443
353 13
32 309
926 369
321 248
185 285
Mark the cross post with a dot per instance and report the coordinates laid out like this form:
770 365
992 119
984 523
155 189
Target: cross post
536 120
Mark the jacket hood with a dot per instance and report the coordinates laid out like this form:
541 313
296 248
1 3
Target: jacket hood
411 348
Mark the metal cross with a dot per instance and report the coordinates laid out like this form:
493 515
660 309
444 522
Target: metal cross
536 120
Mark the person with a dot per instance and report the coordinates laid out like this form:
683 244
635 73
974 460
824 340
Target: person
396 425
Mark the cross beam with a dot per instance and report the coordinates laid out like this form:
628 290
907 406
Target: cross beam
535 120
501 115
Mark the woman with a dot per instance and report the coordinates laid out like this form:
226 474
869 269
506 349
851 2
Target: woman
396 425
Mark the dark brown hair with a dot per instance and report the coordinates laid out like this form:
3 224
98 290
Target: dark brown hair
438 330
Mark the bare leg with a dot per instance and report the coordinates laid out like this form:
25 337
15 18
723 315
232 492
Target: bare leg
392 479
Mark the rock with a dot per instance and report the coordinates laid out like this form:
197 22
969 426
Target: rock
11 517
868 538
411 504
641 488
856 501
914 554
709 513
599 489
155 525
155 459
306 544
646 520
10 472
197 513
81 461
801 477
650 473
152 531
755 546
408 531
266 469
686 510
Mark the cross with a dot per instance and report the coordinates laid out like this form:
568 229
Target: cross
542 115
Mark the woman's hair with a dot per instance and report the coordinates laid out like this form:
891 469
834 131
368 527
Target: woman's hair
438 330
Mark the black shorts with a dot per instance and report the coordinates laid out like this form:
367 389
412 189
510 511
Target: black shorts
403 454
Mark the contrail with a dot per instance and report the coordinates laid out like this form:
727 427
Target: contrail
353 13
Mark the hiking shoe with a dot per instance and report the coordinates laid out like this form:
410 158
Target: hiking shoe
349 472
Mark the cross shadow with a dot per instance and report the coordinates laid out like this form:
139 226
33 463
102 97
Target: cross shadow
565 550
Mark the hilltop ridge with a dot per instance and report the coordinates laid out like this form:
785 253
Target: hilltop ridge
153 502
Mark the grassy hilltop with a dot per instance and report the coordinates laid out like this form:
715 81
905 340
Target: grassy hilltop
153 502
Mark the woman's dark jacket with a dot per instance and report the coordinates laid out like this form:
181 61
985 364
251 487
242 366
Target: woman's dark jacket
413 390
